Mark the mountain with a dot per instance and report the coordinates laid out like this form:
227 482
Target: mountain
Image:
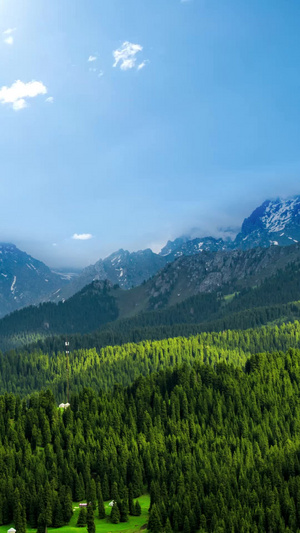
275 222
23 279
193 289
121 268
183 246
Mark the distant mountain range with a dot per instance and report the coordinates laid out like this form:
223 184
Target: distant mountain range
25 281
209 281
273 223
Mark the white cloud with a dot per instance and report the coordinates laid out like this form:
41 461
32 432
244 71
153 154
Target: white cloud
9 40
100 74
50 100
19 104
82 236
125 55
92 58
142 64
17 93
7 36
9 31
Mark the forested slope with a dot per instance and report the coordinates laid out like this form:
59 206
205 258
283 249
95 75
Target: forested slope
216 447
26 371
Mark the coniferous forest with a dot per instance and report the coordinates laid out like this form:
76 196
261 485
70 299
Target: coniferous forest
216 447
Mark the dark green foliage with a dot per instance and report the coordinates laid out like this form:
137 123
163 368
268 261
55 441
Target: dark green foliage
137 508
24 372
115 514
154 523
101 507
90 522
216 446
82 517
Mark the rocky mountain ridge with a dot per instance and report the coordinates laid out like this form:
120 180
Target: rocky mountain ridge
23 279
274 223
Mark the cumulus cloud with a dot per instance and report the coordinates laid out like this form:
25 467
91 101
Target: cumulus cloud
82 236
126 55
50 100
19 91
92 58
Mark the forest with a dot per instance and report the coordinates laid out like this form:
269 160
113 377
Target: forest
217 448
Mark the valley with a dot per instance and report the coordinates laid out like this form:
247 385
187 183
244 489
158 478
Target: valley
183 380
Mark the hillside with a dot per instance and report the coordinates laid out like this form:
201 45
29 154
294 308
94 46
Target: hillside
215 447
202 289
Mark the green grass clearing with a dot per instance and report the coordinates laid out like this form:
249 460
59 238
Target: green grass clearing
133 525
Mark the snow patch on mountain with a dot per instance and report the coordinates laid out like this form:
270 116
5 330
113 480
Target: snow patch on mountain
279 213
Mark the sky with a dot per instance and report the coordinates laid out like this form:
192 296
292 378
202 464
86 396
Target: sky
125 123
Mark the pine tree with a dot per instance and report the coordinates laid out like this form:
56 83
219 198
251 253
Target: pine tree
18 513
137 508
186 525
92 494
82 517
124 510
168 528
130 501
154 523
115 514
90 522
115 492
67 505
101 507
105 488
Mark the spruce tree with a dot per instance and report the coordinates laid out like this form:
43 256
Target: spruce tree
124 510
90 522
101 507
82 517
130 501
154 523
186 525
115 514
168 528
137 508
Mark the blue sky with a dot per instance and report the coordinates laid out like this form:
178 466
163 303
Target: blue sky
133 121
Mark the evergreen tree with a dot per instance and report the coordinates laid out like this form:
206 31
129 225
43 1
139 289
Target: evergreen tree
154 523
18 513
82 517
137 508
168 528
115 514
124 510
186 525
90 522
101 507
131 502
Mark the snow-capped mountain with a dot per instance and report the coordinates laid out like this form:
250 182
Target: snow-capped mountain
181 247
23 279
274 223
124 268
